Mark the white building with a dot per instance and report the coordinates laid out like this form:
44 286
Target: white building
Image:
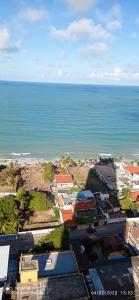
4 260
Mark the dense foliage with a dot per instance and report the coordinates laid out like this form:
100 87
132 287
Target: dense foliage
66 160
39 201
7 175
74 189
10 220
126 202
48 169
59 237
22 197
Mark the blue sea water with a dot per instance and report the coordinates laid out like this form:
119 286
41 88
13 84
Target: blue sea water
48 120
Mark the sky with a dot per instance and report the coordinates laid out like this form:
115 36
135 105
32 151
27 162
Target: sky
70 41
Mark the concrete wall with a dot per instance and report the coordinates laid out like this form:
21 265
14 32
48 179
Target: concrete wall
116 220
6 194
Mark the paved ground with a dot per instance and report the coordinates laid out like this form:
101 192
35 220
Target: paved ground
107 230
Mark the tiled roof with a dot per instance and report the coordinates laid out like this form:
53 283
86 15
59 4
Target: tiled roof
134 195
68 215
132 169
63 178
84 205
59 200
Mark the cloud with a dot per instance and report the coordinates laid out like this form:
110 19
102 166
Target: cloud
80 6
95 50
116 75
81 29
5 41
137 20
113 18
4 37
56 73
34 15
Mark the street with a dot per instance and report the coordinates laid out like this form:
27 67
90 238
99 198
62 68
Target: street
107 230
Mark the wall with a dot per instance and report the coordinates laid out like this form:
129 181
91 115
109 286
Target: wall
116 220
6 194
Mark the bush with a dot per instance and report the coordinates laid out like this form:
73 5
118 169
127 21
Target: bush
59 237
48 171
56 216
74 189
39 201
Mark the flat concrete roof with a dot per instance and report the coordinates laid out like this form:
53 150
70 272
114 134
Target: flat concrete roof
66 288
4 259
118 276
54 263
1 292
57 288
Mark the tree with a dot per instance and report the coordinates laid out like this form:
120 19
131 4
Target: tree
9 215
126 202
66 160
48 169
39 201
22 197
10 172
74 189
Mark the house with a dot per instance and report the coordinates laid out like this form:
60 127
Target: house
52 276
80 204
107 174
135 196
131 233
133 173
68 215
132 170
63 181
4 260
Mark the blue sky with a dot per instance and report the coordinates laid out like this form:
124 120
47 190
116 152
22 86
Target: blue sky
75 41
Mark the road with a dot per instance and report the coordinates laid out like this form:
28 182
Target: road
107 230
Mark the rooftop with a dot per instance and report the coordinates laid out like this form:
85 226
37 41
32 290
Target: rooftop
4 259
57 288
135 195
84 205
1 293
132 169
68 215
27 263
118 276
54 263
59 200
133 221
63 178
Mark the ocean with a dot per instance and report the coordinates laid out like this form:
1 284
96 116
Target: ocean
40 120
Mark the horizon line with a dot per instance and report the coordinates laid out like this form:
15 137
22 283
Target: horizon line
70 83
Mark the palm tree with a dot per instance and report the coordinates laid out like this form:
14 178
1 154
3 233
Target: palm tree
21 196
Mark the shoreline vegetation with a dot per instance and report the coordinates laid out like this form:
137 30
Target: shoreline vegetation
21 158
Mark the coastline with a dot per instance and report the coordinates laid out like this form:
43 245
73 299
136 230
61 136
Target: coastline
28 158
